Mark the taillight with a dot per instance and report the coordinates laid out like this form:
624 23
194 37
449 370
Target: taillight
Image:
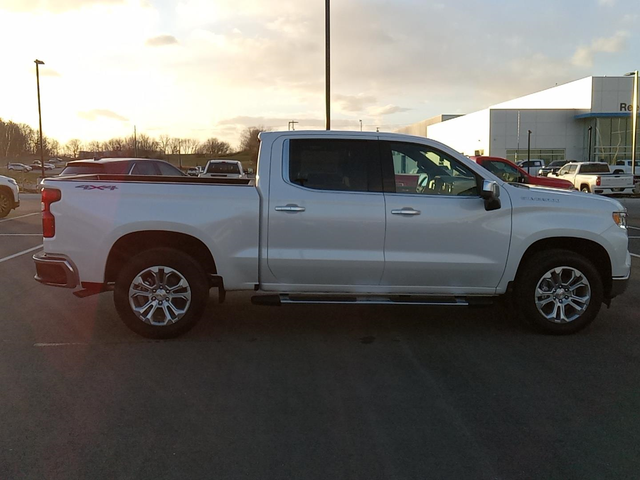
598 180
49 196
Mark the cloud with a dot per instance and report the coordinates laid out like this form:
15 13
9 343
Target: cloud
95 114
607 3
353 103
55 6
280 123
49 72
583 57
161 40
387 110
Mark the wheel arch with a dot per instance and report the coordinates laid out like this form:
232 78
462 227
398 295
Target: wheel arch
592 251
131 244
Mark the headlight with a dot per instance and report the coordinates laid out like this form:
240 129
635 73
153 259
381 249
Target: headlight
12 180
620 218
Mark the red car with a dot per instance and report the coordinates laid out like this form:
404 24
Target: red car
510 172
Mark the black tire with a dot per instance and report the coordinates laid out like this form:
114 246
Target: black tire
532 273
585 189
179 265
6 203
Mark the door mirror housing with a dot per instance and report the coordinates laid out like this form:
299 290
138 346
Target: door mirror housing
491 195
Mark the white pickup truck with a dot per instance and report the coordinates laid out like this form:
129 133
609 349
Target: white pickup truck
9 195
334 217
223 169
596 177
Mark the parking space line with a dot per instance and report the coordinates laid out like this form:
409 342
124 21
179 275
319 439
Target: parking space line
634 238
634 255
635 228
21 253
21 216
35 235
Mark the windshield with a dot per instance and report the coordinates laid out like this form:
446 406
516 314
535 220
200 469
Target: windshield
223 168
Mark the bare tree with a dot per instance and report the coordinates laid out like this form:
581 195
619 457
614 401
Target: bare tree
175 146
94 146
214 147
165 143
147 145
13 139
115 144
72 148
54 147
249 141
189 146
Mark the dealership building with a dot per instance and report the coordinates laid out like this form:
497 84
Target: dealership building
561 119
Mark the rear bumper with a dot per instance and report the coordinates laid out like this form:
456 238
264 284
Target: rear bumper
55 270
613 191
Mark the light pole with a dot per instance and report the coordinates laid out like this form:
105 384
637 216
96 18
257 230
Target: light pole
634 120
529 153
360 124
38 63
590 134
327 61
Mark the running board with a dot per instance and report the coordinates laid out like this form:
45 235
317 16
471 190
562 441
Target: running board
285 299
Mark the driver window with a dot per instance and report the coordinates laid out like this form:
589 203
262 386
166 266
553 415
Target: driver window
419 169
504 171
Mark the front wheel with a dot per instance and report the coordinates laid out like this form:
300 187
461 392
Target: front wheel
5 204
161 293
559 291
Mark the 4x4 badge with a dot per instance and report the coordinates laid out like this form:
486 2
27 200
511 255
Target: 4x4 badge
97 187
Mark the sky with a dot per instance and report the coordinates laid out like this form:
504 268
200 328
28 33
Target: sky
210 68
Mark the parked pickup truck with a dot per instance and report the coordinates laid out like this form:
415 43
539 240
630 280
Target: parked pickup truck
595 177
9 195
328 221
223 169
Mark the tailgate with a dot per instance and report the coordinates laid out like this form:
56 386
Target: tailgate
616 181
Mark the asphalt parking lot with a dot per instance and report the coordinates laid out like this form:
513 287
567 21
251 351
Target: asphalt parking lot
332 392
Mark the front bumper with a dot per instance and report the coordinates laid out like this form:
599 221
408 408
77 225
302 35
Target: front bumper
618 286
56 270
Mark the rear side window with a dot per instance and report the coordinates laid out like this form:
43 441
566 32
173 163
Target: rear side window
338 165
166 169
145 168
83 169
594 168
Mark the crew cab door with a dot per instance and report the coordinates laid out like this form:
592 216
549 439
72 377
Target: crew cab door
440 238
325 220
568 172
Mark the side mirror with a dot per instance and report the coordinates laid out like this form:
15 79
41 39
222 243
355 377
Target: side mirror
491 195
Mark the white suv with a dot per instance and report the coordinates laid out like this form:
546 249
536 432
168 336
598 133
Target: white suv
9 196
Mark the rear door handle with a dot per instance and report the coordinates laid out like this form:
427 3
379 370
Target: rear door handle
290 208
406 211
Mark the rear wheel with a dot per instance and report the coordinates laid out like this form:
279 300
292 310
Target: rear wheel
5 204
585 189
559 291
161 293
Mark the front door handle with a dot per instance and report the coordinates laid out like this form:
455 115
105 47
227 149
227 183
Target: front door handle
290 208
406 211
